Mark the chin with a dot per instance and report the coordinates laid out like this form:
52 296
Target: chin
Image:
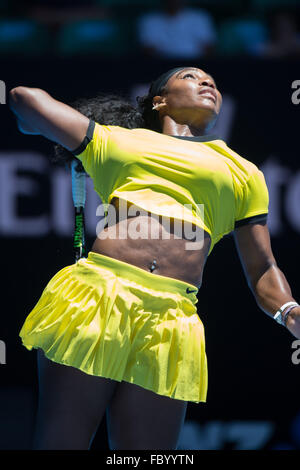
209 106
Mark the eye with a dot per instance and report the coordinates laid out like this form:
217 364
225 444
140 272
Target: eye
188 75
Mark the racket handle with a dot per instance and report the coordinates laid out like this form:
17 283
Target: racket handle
79 234
78 184
78 195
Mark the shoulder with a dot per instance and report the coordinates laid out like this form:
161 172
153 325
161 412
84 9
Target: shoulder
243 163
119 130
138 137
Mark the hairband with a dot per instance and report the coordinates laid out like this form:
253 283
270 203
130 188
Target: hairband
159 83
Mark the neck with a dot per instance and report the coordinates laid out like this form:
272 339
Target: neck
171 127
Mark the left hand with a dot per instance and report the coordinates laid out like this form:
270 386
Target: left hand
293 322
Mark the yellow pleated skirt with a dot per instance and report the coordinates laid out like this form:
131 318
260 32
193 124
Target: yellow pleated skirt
111 319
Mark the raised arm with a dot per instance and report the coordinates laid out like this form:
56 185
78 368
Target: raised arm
267 282
39 113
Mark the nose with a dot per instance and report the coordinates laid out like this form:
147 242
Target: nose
207 82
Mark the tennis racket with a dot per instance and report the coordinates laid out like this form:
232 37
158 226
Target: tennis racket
78 195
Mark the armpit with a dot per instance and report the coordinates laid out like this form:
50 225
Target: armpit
255 219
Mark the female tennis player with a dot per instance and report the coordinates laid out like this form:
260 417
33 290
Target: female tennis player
119 330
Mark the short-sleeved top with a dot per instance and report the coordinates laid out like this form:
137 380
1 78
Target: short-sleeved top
195 179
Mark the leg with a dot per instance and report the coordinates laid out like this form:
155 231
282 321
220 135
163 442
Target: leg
140 419
71 406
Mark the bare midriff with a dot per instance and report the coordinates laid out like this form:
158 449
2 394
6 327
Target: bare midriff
152 244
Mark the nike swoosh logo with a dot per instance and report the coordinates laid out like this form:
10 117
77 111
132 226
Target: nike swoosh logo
189 290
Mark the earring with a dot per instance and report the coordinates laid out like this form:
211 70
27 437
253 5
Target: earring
156 106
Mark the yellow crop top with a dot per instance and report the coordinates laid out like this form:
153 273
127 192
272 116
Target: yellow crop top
162 173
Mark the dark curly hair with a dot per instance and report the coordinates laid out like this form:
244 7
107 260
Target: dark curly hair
108 109
112 110
150 116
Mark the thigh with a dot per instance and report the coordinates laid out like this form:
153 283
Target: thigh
140 419
71 405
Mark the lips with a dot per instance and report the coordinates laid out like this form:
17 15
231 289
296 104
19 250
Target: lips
209 93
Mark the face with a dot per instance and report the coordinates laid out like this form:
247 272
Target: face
191 97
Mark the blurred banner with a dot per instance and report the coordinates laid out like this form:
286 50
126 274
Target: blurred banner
253 399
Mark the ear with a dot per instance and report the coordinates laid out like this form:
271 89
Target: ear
159 102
